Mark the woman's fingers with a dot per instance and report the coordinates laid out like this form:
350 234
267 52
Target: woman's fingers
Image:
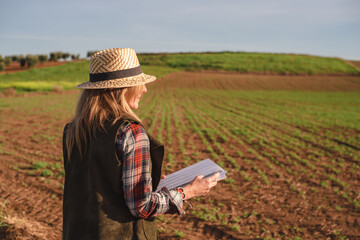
214 177
200 186
163 176
212 184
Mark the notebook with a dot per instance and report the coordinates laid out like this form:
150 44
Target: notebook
184 176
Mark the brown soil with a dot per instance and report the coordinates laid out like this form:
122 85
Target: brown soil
232 81
250 209
355 64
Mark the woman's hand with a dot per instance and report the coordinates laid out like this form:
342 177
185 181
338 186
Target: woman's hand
200 186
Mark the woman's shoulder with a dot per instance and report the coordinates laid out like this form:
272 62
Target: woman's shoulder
132 128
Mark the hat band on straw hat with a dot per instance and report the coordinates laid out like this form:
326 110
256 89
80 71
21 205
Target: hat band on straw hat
97 77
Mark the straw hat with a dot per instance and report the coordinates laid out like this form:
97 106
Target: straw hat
115 68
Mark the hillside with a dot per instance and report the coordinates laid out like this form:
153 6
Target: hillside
70 74
260 63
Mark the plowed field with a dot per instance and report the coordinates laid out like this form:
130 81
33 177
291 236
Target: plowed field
290 145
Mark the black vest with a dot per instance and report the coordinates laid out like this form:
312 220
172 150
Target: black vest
94 205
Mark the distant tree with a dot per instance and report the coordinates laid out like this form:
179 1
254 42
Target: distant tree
90 53
53 56
43 58
31 60
2 64
65 55
75 56
59 55
15 58
22 60
7 60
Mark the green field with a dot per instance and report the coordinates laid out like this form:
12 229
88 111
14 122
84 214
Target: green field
64 76
284 64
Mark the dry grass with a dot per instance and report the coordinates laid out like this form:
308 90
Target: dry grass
57 89
10 92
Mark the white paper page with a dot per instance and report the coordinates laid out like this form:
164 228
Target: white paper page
184 176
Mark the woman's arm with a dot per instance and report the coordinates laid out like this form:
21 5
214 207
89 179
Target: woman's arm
133 149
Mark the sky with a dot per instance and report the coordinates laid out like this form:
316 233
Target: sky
328 28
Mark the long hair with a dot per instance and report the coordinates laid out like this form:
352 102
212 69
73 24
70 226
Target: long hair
94 108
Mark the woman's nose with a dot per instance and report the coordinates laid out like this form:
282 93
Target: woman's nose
145 89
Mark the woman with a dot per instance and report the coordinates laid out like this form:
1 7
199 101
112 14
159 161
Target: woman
112 166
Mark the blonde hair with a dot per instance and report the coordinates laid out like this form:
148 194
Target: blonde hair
94 108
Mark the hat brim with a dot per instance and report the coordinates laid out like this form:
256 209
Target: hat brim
119 83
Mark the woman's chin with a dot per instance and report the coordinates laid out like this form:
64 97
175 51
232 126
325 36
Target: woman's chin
134 106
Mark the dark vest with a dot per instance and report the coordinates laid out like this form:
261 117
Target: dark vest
94 205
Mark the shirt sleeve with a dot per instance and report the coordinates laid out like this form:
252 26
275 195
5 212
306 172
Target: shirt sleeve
133 149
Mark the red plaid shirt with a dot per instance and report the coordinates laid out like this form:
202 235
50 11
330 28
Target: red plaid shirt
133 150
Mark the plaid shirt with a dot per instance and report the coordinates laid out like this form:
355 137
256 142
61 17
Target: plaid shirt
133 150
